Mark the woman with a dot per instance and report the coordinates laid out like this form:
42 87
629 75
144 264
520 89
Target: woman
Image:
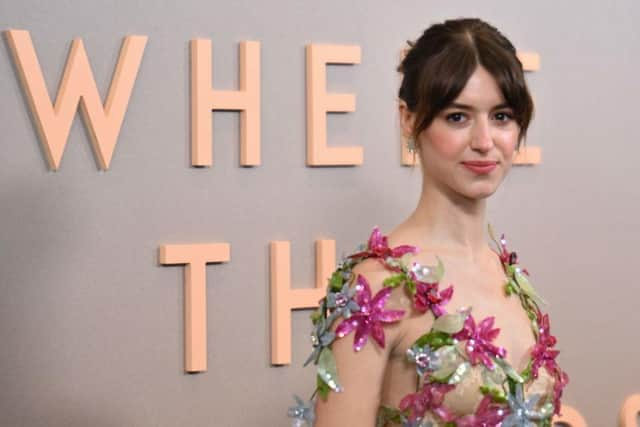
430 325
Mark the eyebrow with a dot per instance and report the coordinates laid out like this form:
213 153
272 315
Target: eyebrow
470 108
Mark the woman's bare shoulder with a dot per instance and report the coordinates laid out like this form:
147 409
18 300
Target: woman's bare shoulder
372 269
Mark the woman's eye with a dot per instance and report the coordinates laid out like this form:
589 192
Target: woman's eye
455 117
503 116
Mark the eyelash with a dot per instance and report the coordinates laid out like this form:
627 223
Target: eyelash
509 116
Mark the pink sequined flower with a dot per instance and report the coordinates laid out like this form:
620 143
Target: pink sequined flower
429 398
542 353
562 379
478 345
378 247
488 414
369 320
427 297
506 256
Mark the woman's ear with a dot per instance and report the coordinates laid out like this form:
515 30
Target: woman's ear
407 119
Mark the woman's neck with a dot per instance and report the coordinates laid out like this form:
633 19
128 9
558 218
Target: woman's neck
449 221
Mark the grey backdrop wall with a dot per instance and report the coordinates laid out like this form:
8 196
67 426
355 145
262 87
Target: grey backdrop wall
91 326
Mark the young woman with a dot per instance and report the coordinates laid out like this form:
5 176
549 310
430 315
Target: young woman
431 325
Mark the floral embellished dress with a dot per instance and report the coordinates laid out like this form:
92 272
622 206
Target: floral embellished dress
464 379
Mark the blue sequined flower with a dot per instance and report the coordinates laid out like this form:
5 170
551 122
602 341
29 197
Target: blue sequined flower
303 413
321 337
342 302
522 412
424 358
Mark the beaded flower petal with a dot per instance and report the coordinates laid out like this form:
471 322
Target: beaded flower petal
369 320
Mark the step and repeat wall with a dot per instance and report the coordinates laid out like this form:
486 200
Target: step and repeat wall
178 180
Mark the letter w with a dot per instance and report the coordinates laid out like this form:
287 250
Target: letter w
78 84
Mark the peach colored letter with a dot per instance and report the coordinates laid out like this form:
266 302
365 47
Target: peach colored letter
319 103
629 411
204 99
195 256
78 84
531 155
284 299
570 417
530 60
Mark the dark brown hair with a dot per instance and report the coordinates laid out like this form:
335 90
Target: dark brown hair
437 66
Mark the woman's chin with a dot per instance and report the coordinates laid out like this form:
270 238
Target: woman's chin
480 192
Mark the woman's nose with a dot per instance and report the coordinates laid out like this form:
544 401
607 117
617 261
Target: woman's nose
481 135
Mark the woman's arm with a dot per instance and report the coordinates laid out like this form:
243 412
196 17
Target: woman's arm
361 373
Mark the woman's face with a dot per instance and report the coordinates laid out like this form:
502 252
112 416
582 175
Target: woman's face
477 127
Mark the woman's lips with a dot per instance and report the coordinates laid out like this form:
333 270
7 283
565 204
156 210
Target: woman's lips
480 167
